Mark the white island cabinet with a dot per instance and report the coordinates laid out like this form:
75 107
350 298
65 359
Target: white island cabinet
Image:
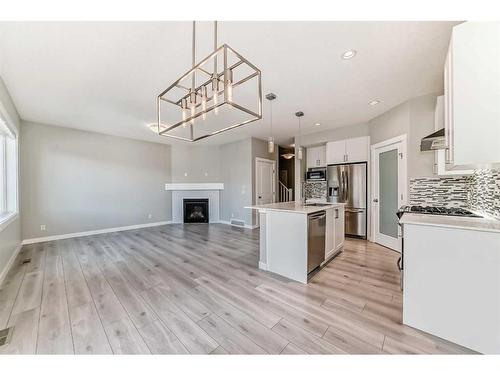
452 279
284 236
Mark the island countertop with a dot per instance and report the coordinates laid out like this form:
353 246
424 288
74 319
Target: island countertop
485 224
295 207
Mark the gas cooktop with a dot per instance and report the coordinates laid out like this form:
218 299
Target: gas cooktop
452 211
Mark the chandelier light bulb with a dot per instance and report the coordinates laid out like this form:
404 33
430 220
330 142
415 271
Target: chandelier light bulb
215 92
184 112
193 105
204 102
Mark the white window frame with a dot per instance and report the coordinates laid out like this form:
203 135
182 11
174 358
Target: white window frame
9 204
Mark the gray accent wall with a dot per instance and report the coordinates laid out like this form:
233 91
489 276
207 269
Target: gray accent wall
10 236
336 134
194 164
237 178
259 150
75 181
415 118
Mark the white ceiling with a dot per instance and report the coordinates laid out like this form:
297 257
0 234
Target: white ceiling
104 77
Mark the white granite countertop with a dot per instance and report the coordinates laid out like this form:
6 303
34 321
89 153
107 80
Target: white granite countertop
296 207
469 223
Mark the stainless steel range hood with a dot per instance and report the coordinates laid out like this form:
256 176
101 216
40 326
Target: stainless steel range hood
434 141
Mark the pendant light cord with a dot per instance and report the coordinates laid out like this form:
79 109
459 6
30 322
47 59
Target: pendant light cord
271 118
215 46
193 51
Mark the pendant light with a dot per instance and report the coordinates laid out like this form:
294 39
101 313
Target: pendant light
299 115
270 140
200 92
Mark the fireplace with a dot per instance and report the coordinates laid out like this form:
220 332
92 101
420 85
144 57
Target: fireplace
195 210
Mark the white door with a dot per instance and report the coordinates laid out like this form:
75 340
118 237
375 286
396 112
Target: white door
264 181
389 190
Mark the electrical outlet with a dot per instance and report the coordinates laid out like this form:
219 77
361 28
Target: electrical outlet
150 216
232 214
185 174
206 174
42 227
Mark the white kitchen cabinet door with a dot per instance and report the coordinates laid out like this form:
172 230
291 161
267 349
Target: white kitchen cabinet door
440 158
316 157
310 157
335 152
357 149
321 156
339 231
330 233
473 95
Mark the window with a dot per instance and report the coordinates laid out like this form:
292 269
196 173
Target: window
8 170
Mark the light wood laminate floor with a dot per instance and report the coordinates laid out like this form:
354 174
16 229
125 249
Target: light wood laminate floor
196 289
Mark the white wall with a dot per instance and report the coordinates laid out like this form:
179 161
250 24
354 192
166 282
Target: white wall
10 237
75 181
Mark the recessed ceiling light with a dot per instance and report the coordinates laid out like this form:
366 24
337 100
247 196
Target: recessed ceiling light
317 124
374 102
349 54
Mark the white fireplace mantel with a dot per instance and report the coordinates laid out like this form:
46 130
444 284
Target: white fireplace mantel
195 186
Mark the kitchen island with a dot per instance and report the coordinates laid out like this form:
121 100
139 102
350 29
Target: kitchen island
289 236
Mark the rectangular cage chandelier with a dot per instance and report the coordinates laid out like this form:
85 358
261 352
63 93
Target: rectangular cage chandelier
221 92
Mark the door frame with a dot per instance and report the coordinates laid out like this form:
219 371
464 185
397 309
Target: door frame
273 162
401 140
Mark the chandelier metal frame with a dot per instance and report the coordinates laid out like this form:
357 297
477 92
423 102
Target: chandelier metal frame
197 96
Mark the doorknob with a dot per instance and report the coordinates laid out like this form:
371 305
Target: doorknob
375 200
260 197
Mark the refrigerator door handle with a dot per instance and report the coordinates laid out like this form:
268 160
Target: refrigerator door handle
346 187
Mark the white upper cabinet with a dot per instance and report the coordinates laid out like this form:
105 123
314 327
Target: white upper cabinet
472 96
335 152
350 150
357 149
440 167
316 157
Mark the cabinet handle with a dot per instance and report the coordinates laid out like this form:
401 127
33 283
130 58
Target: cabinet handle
336 213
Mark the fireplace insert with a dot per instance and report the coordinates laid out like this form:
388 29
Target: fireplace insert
195 210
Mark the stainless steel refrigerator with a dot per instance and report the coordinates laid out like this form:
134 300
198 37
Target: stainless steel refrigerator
347 184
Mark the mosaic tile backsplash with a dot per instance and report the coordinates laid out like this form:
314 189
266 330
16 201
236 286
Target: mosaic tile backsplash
436 191
315 190
479 192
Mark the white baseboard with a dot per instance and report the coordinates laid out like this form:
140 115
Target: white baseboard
262 266
9 264
92 232
238 226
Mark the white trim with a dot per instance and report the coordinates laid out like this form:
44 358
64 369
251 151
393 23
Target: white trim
93 232
7 218
9 264
246 226
195 186
401 142
8 121
273 181
262 266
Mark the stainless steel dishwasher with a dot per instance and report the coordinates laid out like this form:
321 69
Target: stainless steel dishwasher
316 227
